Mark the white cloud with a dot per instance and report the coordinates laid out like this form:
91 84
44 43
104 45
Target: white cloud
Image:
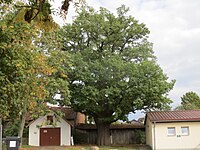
175 32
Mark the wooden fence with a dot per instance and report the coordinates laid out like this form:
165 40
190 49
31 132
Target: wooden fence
120 134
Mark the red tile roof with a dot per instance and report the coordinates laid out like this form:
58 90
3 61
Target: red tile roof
174 116
68 113
112 126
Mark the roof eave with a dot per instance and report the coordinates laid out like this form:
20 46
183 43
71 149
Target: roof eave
169 121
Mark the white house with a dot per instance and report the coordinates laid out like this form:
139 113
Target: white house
167 130
49 131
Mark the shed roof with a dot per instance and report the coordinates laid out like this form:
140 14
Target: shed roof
69 113
174 116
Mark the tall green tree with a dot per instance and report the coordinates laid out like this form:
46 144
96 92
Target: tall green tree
113 70
29 74
189 101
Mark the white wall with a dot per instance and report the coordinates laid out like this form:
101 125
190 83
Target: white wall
34 131
178 141
65 132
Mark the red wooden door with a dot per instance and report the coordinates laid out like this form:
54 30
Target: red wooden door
49 136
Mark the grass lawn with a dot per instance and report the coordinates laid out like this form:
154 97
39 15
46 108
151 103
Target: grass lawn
83 147
86 147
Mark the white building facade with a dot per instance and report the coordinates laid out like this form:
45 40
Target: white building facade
173 130
49 131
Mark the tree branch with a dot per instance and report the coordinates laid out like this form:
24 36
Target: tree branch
25 6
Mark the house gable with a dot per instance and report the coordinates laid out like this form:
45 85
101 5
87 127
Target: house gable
41 122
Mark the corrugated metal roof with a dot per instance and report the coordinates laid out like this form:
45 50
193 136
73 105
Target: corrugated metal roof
174 116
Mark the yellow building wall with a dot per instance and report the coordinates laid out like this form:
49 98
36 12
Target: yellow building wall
178 141
149 133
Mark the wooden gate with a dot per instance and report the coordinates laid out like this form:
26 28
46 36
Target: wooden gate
49 136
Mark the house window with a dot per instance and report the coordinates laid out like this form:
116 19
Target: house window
171 131
49 120
185 130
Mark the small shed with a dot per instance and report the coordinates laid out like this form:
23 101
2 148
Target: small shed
49 130
169 130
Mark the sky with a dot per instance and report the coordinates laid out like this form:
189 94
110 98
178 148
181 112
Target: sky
175 33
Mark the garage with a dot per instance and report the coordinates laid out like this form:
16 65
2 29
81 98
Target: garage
49 136
43 134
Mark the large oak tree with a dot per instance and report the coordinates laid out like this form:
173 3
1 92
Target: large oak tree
114 70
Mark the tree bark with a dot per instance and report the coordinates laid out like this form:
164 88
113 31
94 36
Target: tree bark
22 124
103 132
1 133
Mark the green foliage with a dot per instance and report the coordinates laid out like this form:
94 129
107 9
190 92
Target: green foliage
30 74
189 101
140 136
80 137
11 128
28 69
113 68
35 10
5 1
14 62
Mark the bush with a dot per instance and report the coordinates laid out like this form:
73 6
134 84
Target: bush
140 136
80 137
11 129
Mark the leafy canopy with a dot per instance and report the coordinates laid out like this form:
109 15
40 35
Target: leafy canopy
29 74
34 10
189 101
114 70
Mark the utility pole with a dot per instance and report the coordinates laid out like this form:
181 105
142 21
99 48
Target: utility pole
1 134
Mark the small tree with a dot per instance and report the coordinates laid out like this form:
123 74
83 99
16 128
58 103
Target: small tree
113 70
189 101
29 74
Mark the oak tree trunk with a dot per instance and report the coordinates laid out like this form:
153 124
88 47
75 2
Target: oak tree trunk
103 132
